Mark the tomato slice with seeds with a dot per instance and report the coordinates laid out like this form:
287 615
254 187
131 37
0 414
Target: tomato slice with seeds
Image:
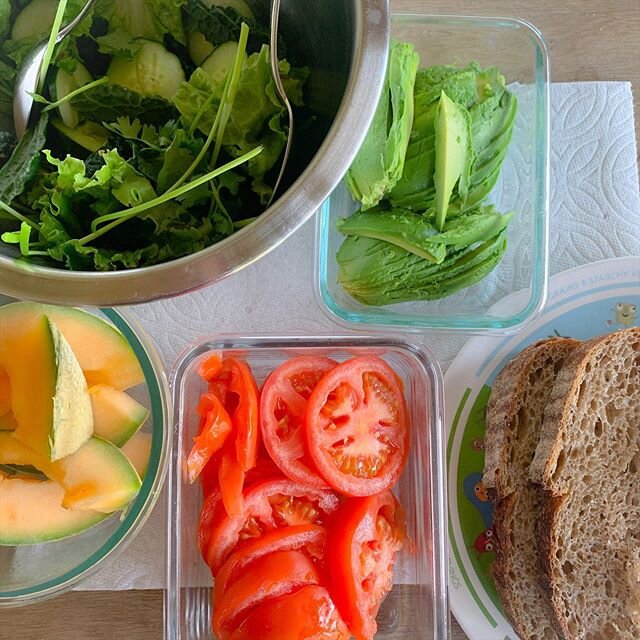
362 549
269 504
307 613
310 537
268 577
282 406
356 427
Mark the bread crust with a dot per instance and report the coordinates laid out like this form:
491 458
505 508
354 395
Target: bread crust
506 477
568 553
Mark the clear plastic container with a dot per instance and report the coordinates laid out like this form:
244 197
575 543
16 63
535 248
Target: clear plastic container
418 604
518 50
35 572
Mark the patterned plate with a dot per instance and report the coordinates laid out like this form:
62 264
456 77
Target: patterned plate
583 302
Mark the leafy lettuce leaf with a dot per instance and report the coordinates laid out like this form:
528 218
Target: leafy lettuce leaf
257 118
150 19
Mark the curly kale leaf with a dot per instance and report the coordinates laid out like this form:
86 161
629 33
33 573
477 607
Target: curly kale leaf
107 102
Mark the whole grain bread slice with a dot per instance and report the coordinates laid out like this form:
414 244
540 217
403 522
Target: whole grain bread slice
587 465
513 423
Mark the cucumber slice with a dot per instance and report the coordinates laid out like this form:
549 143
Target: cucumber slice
220 62
36 19
89 135
199 47
154 71
65 84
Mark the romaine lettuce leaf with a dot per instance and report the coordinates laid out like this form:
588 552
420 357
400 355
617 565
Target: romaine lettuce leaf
151 19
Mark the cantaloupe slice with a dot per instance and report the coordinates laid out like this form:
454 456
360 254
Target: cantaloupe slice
5 393
31 512
116 415
103 352
8 422
49 395
97 477
22 471
138 450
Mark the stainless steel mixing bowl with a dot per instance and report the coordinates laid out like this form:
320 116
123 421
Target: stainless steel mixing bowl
345 43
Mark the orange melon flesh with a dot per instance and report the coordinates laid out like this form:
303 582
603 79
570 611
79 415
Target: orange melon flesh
97 477
138 450
103 352
8 422
49 396
5 393
116 415
27 354
31 512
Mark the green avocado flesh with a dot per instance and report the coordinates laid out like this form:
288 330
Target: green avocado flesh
431 232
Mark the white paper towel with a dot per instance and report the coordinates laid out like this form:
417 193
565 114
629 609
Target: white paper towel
595 214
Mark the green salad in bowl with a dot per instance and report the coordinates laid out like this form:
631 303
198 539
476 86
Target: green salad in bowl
159 130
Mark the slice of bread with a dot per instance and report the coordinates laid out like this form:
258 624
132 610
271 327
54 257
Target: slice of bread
587 464
513 424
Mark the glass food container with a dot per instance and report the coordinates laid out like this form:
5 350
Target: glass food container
519 52
417 606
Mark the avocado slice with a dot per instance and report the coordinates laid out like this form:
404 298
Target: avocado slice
399 227
454 154
380 160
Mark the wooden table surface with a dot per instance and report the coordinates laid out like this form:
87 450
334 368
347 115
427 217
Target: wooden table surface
588 40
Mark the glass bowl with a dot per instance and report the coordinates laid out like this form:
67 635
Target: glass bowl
518 50
418 604
30 573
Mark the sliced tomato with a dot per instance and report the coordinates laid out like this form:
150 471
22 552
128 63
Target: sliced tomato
268 577
269 504
307 613
210 367
236 388
366 537
282 406
215 426
310 537
356 427
231 477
